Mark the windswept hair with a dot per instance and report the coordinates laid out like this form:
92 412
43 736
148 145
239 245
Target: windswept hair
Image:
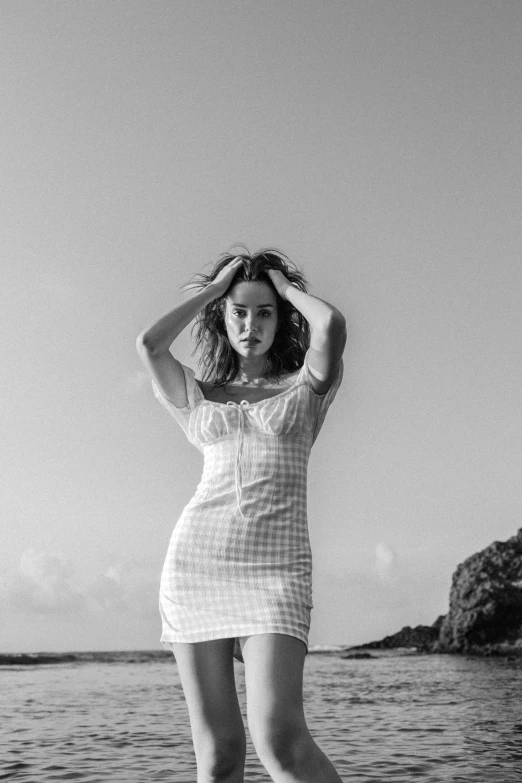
218 360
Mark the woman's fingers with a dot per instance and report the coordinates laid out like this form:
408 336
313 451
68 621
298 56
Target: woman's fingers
231 268
280 282
225 276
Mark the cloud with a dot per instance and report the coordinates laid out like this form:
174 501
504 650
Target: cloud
42 583
385 561
137 380
48 583
105 592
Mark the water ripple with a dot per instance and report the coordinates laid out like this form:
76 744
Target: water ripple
432 719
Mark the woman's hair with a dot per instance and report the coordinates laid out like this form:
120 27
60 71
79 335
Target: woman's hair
218 359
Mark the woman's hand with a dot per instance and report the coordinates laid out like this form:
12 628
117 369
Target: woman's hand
281 283
225 276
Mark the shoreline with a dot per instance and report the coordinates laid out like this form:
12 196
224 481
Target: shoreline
359 652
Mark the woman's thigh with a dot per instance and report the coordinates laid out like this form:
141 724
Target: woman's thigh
206 670
274 666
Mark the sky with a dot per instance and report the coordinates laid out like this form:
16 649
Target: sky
378 145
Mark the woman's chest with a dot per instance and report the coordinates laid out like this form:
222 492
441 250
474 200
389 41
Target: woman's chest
251 393
285 415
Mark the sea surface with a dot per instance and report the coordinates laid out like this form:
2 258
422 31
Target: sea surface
122 718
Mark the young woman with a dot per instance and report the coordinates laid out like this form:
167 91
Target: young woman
237 579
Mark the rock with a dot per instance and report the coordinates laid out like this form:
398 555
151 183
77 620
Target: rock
357 656
33 659
422 637
438 622
485 613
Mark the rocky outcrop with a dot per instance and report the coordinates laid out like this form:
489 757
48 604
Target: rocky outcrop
94 656
422 637
33 659
358 656
485 608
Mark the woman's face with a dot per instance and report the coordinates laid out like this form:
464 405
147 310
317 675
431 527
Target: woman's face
251 318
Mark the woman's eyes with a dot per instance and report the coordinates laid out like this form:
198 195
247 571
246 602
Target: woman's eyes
241 313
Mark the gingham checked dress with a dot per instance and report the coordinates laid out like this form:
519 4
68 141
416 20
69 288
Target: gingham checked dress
239 560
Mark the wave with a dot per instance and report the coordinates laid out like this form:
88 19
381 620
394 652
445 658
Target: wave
105 656
121 656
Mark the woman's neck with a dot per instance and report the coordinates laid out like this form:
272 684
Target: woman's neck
253 368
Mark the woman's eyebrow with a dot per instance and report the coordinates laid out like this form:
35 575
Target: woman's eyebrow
236 304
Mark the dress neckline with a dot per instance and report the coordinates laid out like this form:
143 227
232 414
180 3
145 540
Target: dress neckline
245 403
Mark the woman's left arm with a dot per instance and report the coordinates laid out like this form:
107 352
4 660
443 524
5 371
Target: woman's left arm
327 331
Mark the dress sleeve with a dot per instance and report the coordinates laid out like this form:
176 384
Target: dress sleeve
194 393
319 403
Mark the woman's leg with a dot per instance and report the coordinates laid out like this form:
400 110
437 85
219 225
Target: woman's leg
274 685
206 670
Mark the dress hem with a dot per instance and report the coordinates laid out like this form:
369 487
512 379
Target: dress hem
167 643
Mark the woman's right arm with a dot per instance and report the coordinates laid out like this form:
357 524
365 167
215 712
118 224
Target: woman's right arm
154 343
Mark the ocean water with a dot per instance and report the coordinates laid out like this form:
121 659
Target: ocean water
123 719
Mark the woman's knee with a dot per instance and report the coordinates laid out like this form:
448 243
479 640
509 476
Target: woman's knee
287 743
219 755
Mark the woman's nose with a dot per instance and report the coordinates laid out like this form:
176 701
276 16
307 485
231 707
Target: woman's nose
251 323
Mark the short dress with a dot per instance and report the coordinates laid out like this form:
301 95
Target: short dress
239 560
